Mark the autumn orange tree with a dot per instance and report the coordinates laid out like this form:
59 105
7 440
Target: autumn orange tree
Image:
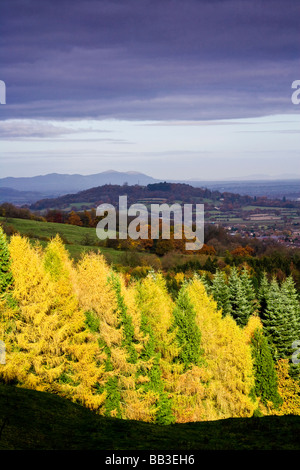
242 251
74 219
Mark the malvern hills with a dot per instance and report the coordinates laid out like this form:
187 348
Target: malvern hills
27 190
57 183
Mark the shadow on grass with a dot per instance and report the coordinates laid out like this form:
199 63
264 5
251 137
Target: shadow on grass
31 420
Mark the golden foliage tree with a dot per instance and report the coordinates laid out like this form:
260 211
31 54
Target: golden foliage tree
105 298
289 390
191 383
48 347
129 350
74 219
156 309
228 358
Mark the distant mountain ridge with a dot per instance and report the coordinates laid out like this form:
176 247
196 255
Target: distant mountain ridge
59 184
27 190
18 197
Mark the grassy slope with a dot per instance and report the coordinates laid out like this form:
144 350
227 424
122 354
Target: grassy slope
35 420
72 234
74 239
31 420
33 228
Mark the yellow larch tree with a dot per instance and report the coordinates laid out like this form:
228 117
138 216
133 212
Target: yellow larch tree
105 298
254 323
289 390
136 404
228 358
156 308
48 347
191 384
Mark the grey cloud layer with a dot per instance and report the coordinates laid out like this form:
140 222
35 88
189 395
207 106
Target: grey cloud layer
146 59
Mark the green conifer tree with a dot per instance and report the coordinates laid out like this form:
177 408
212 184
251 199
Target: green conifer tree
221 292
113 398
125 320
249 291
188 334
6 278
163 405
156 308
206 282
240 306
274 321
291 304
266 382
263 291
291 301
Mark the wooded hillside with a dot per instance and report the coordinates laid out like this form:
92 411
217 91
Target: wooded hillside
130 350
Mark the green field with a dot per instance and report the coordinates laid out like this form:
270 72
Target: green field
79 206
32 420
77 240
35 229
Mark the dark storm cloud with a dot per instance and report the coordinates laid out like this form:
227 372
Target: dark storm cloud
145 59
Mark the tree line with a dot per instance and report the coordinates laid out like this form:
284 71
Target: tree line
129 350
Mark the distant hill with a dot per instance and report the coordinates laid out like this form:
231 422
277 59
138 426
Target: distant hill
59 184
155 192
54 185
19 197
272 189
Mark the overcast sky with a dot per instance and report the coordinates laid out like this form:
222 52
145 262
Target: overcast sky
172 88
